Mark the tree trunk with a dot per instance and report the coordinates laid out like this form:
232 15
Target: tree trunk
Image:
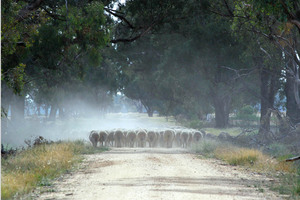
46 111
53 112
6 99
150 113
268 89
39 110
148 108
292 109
222 111
61 113
264 116
18 108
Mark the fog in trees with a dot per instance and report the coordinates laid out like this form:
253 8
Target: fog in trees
67 69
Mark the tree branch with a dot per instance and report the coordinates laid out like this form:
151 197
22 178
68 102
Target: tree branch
133 38
228 8
293 159
119 16
26 10
54 16
296 23
292 18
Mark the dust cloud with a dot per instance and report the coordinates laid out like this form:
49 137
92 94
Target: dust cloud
78 128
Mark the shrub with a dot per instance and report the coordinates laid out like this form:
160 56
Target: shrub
206 147
247 115
279 150
196 124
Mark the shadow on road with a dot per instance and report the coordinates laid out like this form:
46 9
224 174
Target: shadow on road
208 186
147 150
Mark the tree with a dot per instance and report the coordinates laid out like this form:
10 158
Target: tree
195 43
68 37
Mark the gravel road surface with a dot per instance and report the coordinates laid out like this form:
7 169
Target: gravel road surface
144 173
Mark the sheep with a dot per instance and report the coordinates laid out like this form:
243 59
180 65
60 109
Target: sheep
131 138
161 139
125 132
197 136
190 139
168 138
177 138
184 139
157 139
103 138
94 138
141 138
203 133
119 138
151 137
110 138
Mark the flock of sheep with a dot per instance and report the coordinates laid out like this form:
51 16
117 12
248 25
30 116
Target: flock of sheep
143 138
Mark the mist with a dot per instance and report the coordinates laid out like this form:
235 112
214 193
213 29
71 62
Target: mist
77 125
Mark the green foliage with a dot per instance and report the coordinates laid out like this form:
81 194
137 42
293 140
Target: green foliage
196 124
246 113
13 32
57 49
14 77
16 38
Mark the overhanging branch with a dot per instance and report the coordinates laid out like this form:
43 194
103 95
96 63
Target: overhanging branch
133 38
26 10
114 13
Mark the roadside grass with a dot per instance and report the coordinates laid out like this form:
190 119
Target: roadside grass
38 165
234 131
289 184
255 160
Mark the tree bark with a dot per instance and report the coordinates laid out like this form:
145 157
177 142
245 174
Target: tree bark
292 109
38 107
6 99
222 111
148 108
268 89
46 111
150 113
264 116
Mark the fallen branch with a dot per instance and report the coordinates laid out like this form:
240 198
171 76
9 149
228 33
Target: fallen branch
293 159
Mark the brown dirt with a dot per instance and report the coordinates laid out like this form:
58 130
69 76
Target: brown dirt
133 173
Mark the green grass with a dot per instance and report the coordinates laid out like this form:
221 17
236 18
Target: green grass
289 185
206 147
37 166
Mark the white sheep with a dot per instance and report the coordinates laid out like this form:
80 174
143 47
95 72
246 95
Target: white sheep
94 138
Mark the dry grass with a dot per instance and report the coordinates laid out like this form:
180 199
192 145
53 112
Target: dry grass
252 158
26 170
216 131
288 174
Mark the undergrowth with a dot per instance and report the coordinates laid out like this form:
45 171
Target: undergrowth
37 165
255 160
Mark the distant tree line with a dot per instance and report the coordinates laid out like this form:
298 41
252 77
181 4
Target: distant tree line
180 58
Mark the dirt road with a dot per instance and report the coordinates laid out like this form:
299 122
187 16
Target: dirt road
175 174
